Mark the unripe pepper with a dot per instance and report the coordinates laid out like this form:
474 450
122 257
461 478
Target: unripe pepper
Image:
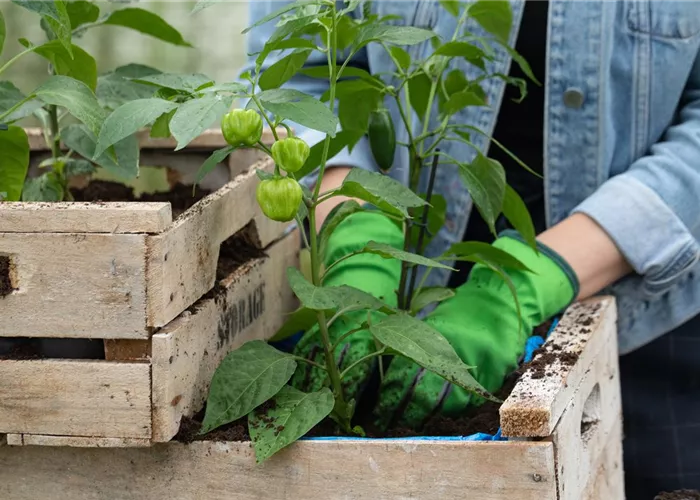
290 154
382 138
242 127
279 198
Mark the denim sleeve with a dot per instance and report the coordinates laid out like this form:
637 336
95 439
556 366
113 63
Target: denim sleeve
652 210
361 155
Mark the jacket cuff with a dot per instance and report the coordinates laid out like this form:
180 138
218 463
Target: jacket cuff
652 238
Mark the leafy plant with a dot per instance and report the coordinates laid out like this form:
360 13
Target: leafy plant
74 89
355 105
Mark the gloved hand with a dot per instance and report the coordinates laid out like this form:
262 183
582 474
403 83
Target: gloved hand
370 273
481 323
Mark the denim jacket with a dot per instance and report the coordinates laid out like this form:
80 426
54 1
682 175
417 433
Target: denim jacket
621 138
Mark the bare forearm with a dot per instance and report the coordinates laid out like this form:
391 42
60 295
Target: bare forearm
332 179
589 251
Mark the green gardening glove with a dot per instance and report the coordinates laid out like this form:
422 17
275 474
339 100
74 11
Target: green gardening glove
370 273
481 323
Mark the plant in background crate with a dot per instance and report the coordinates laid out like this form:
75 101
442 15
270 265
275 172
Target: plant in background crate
354 106
75 90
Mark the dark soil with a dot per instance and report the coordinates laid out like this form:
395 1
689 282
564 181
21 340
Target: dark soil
21 350
545 356
180 196
679 495
5 281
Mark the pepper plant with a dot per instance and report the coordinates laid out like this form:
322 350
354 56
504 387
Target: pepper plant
73 89
257 373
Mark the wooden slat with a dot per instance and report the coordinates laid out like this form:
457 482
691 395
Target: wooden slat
79 217
75 398
535 405
607 482
308 470
128 350
75 285
187 351
182 261
76 441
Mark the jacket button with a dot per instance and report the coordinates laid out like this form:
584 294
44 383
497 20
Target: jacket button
573 98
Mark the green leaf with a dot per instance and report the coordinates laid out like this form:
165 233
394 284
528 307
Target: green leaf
477 251
520 61
183 82
14 162
294 414
430 295
129 119
197 115
347 30
11 95
401 57
419 91
300 108
55 14
383 192
348 89
332 297
337 215
148 23
461 100
117 88
354 111
389 252
436 219
161 127
244 380
485 179
231 87
74 167
81 140
290 43
495 16
343 139
273 15
323 73
451 6
301 320
391 34
76 97
214 159
3 31
418 341
516 212
46 187
284 69
469 52
78 64
82 12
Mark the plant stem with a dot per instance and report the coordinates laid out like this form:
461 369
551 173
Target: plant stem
54 132
15 59
344 336
264 114
423 228
362 360
309 362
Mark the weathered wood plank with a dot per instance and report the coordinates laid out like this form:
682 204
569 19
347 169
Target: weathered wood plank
78 217
76 441
182 261
75 285
75 398
608 480
535 405
309 470
187 351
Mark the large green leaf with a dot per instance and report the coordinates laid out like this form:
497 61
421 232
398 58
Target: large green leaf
430 295
263 20
475 55
389 252
3 31
195 116
332 297
214 159
244 380
290 43
46 187
79 65
485 179
148 23
81 140
390 34
426 346
301 320
419 91
354 111
11 95
323 73
334 219
14 162
183 82
495 16
129 119
451 6
82 12
300 108
381 191
76 97
516 212
460 100
477 251
295 27
55 14
284 69
294 414
114 90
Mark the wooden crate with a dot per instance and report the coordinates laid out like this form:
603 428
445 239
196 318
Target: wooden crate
128 268
139 395
568 447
